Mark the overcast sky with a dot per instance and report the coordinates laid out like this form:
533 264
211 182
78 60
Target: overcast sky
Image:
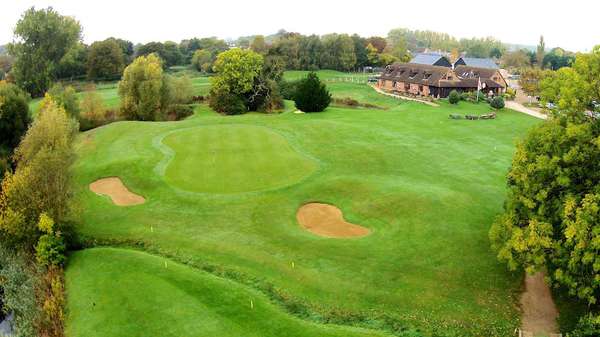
570 24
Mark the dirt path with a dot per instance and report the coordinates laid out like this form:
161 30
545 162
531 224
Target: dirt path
521 108
539 310
328 221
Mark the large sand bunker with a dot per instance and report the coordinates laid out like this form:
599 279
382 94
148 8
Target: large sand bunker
539 311
118 193
328 221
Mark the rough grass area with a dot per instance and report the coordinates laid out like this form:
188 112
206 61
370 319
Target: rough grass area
125 293
426 186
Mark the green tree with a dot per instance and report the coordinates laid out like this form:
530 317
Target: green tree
202 60
50 248
516 59
372 55
144 90
73 64
14 115
378 42
552 217
259 45
360 50
338 52
541 52
237 72
43 37
310 51
66 97
42 181
106 60
312 95
530 80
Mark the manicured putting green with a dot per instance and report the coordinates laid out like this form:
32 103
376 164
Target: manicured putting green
233 159
118 292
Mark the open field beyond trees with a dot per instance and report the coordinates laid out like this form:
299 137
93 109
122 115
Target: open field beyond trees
225 255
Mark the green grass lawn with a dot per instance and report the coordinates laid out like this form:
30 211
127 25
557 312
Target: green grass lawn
428 188
220 159
152 296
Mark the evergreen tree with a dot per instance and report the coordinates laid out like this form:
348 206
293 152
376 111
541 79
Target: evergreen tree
312 95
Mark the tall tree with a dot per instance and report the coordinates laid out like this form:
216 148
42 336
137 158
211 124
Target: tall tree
360 49
259 45
105 60
310 52
42 38
14 116
338 52
541 52
378 42
144 89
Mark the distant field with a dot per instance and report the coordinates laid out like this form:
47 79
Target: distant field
110 95
224 197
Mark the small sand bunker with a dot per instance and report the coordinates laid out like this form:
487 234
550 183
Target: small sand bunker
328 221
118 193
539 311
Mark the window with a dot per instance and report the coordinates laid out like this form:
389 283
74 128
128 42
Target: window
420 88
394 84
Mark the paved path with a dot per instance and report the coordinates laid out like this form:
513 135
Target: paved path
403 97
519 107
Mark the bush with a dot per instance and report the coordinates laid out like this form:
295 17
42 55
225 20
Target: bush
227 103
180 111
497 102
312 95
20 278
454 97
588 326
50 249
288 89
67 98
510 94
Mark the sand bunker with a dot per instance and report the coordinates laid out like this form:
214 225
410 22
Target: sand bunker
539 311
114 188
328 221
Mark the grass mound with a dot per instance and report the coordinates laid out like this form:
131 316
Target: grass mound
118 292
233 159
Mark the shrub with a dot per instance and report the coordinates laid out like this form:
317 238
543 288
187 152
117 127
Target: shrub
510 94
454 97
288 89
588 326
20 278
50 249
497 102
67 98
312 95
226 102
180 111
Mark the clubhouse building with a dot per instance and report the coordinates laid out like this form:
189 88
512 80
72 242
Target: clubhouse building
432 74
